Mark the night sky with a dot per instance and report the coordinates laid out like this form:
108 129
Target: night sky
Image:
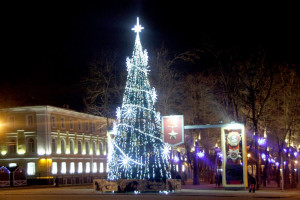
47 44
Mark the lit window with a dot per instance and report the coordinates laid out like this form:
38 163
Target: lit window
72 168
31 168
94 167
80 167
62 122
183 168
54 167
53 121
63 167
29 121
101 170
87 167
12 164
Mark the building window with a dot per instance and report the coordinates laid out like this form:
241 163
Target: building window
29 121
94 167
54 168
104 149
53 146
72 168
79 167
63 167
63 146
93 127
79 125
11 121
31 168
87 167
62 122
71 124
87 148
71 146
30 145
12 145
79 147
101 148
12 164
86 126
53 121
94 148
101 169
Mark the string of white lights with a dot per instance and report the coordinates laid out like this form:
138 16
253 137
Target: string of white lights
139 131
138 106
129 159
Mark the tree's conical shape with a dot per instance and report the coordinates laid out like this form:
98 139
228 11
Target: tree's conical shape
138 151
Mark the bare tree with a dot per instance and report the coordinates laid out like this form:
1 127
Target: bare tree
245 88
104 85
202 107
168 81
283 116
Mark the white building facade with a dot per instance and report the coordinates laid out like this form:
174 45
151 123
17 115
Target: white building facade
54 143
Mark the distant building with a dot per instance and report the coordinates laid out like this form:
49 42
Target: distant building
51 142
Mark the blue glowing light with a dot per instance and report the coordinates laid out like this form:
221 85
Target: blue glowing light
201 154
284 150
176 159
261 141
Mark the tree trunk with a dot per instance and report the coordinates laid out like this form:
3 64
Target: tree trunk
278 176
196 169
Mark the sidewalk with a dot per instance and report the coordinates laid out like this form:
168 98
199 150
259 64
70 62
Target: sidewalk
206 189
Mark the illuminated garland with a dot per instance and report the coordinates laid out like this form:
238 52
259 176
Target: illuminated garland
138 151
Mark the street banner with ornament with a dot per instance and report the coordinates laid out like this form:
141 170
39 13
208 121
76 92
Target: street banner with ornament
173 129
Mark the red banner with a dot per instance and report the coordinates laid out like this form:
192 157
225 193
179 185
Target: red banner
173 129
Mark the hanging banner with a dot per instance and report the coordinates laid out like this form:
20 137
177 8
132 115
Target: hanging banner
173 129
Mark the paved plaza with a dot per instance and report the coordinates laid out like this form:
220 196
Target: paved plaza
203 191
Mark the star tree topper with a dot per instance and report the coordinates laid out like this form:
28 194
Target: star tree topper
137 28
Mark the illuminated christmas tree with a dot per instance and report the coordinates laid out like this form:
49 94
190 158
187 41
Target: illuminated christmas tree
138 151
